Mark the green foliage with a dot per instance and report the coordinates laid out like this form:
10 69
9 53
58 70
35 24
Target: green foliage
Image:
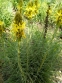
38 55
14 3
6 13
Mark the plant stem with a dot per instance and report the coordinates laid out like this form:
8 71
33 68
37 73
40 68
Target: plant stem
19 63
42 62
27 57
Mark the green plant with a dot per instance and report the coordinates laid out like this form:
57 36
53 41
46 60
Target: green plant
29 60
37 56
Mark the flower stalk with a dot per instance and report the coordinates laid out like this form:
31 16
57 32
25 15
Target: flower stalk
19 61
46 22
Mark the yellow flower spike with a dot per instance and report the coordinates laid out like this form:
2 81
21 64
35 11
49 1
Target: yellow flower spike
18 24
18 30
31 10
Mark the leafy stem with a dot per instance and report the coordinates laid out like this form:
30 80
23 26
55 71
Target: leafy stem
19 62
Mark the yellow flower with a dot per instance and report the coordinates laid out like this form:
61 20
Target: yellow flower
29 14
22 25
31 10
59 17
1 27
18 30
